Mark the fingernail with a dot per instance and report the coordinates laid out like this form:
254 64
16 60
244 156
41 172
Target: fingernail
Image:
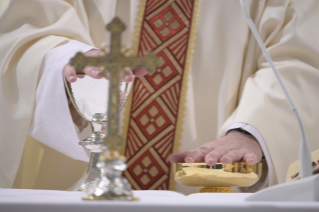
96 73
71 78
210 161
189 160
227 158
250 161
127 69
127 78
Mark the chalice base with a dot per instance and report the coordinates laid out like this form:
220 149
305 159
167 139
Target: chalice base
111 186
211 189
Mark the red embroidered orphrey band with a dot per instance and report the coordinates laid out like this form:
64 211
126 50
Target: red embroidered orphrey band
154 110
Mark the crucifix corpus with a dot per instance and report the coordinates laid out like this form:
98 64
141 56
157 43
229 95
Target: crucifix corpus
112 185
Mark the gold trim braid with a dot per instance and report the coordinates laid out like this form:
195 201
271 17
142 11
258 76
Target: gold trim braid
183 98
135 44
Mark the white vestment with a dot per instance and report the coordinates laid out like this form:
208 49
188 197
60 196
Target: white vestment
231 82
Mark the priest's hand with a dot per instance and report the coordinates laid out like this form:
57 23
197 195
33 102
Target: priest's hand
234 147
127 74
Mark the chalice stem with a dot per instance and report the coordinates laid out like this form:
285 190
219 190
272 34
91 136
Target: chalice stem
92 175
95 145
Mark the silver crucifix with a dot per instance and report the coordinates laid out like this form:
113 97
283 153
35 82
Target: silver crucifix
112 185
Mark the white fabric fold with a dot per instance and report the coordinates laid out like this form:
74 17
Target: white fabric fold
52 123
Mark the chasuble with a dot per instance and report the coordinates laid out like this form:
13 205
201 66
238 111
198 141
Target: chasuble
192 99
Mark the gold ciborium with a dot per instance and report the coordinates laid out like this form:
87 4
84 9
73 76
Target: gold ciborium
218 178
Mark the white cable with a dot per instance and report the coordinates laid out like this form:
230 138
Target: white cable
304 150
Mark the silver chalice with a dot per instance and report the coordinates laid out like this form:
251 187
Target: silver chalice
90 98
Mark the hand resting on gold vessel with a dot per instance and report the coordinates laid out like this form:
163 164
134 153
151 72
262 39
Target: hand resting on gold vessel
234 147
96 72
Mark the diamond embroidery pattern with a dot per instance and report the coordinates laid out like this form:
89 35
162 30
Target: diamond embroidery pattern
155 105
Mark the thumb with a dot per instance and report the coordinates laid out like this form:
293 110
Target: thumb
70 73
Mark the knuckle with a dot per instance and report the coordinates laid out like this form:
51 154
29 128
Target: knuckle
236 146
203 148
201 151
214 154
234 154
218 142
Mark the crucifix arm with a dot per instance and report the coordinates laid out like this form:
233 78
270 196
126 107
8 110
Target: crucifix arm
149 62
80 61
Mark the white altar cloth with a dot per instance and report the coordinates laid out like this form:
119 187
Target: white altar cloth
21 200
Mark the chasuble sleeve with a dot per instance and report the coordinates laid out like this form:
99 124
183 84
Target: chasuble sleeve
28 30
52 123
289 32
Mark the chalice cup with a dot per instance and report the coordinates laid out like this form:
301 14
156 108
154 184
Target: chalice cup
218 178
90 98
